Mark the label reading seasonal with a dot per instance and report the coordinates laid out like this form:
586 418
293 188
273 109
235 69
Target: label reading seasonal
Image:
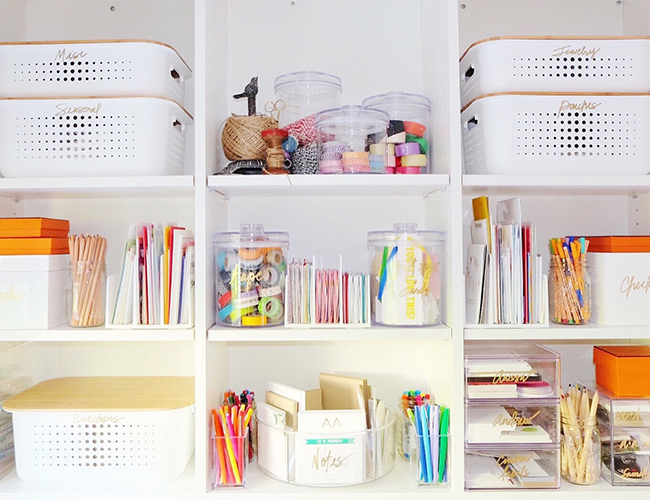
65 109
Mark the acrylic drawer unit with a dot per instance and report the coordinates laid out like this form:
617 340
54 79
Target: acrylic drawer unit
624 424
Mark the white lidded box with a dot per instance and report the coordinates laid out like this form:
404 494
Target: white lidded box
32 290
620 288
99 136
557 134
92 68
104 429
555 64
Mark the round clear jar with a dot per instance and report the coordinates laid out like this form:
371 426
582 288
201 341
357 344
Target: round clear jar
580 448
305 93
569 292
405 276
250 267
351 140
408 130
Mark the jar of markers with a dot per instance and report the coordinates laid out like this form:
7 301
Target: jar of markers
250 276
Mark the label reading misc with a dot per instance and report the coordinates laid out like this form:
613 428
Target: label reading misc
568 50
64 55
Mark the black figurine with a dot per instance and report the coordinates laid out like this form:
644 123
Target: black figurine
250 91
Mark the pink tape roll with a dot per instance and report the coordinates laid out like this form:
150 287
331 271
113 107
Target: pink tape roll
390 170
408 170
329 164
408 148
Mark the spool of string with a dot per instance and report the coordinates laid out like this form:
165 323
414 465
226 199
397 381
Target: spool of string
241 136
274 154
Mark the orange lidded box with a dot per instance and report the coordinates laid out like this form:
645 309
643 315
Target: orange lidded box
33 227
623 369
619 244
33 246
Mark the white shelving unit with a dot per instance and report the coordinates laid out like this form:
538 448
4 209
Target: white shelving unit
375 46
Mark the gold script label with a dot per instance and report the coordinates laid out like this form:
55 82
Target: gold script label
508 466
580 51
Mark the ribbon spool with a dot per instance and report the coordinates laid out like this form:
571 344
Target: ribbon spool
241 137
274 152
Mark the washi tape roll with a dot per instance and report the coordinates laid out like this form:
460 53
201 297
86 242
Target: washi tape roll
254 320
253 263
414 161
270 292
226 277
408 170
237 313
356 169
330 164
330 156
390 161
408 148
354 154
397 138
274 256
225 312
250 253
226 260
270 276
224 300
415 128
333 170
424 144
390 170
271 307
244 302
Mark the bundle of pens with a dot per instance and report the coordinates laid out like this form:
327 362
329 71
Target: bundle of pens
88 278
429 439
580 441
568 280
232 449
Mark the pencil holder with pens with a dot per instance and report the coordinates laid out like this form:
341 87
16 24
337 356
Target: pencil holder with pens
229 461
428 445
569 282
250 271
405 273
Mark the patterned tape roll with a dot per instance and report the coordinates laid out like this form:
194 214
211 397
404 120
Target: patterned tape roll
415 128
353 169
335 147
332 170
224 300
414 161
225 278
253 263
408 170
329 156
250 253
274 256
246 300
254 320
408 148
329 164
270 276
270 292
376 158
355 155
271 307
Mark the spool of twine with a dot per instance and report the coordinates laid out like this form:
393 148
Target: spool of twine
241 137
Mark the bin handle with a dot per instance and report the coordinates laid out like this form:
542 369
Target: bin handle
176 75
178 125
469 72
472 122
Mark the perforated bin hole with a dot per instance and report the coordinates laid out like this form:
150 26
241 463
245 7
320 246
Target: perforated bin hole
73 67
576 67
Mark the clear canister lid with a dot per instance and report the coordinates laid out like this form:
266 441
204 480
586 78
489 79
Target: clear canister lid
305 84
400 105
355 119
251 235
404 232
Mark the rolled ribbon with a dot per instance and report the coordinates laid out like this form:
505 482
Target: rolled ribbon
397 138
381 148
414 161
390 170
424 144
415 128
390 161
408 148
408 170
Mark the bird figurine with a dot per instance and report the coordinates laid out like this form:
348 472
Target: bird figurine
250 91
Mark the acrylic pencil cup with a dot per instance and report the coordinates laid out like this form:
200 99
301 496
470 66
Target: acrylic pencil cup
405 270
569 285
429 457
230 458
580 450
251 267
85 292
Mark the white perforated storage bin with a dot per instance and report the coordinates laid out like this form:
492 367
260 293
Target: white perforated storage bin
92 68
556 134
104 429
552 64
101 136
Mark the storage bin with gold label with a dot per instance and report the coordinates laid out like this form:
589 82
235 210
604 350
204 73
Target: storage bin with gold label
88 68
624 424
104 429
555 64
98 136
557 134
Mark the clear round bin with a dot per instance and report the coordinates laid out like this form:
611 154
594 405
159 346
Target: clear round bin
250 268
351 139
305 93
408 133
405 268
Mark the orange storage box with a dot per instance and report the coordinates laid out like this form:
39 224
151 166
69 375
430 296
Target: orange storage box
33 227
619 244
623 369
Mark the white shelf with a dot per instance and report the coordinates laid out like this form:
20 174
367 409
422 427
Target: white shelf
586 333
281 334
98 334
327 185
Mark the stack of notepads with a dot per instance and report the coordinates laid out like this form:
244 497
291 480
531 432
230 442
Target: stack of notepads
338 426
33 236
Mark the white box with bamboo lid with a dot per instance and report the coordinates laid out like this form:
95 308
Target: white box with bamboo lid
104 429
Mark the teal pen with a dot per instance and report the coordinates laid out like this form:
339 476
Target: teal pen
424 436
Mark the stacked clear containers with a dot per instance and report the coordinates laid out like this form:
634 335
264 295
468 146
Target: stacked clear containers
512 417
351 139
304 94
624 424
408 144
250 276
405 269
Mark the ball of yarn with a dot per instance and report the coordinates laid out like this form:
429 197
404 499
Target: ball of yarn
242 137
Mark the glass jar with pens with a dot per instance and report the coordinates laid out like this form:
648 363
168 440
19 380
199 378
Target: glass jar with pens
568 281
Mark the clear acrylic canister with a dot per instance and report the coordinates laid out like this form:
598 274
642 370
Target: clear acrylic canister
405 268
409 142
305 93
250 268
351 139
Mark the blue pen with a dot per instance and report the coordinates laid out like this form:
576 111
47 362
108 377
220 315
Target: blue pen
418 431
428 472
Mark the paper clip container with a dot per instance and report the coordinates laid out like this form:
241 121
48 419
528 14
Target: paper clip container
351 140
250 268
408 131
405 273
230 459
325 458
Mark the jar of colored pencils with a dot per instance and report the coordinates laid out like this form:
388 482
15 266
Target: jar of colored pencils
580 449
85 293
568 281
